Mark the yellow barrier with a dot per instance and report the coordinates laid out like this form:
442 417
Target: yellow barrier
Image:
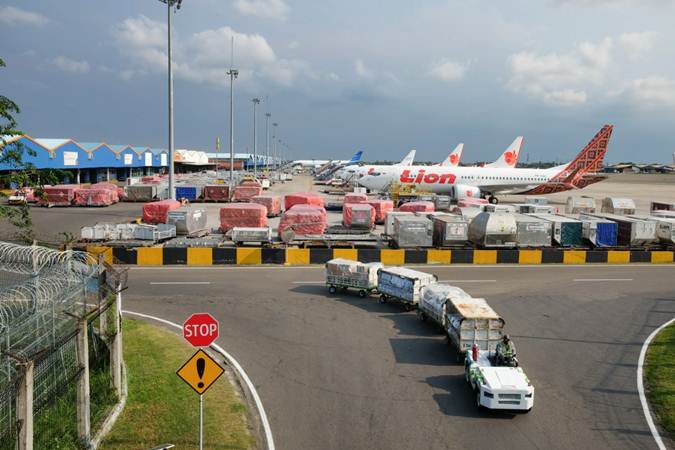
105 251
346 253
199 256
529 257
150 256
392 257
618 257
485 257
439 256
574 257
249 256
662 257
297 256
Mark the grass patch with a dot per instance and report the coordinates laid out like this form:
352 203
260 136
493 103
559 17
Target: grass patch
161 408
660 378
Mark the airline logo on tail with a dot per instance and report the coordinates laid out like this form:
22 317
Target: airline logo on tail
409 159
356 158
454 157
509 158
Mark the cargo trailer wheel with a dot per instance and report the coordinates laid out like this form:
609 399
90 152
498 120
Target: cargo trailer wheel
332 289
421 316
494 200
362 293
383 298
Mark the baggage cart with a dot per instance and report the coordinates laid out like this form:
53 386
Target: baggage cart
403 285
347 274
472 321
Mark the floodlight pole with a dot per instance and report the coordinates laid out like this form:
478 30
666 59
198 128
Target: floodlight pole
267 140
274 143
255 140
233 73
172 193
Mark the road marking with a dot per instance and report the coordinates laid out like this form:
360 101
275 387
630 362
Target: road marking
641 387
603 279
467 281
180 282
240 370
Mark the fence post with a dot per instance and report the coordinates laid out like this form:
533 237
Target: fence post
102 299
83 398
116 347
24 407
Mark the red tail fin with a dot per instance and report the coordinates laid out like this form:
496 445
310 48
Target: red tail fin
590 158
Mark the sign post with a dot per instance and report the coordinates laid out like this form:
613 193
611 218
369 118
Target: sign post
200 371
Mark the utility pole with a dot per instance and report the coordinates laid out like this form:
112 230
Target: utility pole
267 141
233 73
255 140
274 143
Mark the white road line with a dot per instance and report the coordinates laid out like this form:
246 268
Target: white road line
467 281
180 282
603 279
240 370
641 386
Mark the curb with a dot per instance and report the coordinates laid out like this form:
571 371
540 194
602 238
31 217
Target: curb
242 256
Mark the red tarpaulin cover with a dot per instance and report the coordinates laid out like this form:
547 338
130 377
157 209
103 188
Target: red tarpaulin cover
417 207
59 195
304 219
271 202
151 179
354 197
244 192
119 192
157 212
382 207
361 215
95 197
217 192
302 198
242 215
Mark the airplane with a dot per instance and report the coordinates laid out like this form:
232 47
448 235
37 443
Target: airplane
470 182
316 163
453 158
349 172
510 156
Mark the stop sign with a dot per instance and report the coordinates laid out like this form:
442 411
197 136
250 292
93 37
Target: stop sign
200 330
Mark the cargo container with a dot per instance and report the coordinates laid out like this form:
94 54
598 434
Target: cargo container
424 206
345 274
433 303
620 206
599 232
472 321
357 215
533 231
412 231
662 206
493 229
632 232
240 235
665 227
382 207
527 208
242 215
188 219
403 285
663 213
141 192
579 205
389 220
442 202
154 233
567 232
271 202
536 200
450 230
468 212
158 212
500 208
217 192
190 193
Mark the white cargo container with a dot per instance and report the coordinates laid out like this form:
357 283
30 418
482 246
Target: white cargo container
536 200
404 285
433 303
472 321
188 219
412 231
450 230
389 220
578 205
616 205
493 230
665 227
533 231
240 235
662 206
500 208
632 232
526 208
345 273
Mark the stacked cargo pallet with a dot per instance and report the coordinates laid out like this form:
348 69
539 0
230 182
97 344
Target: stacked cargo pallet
250 215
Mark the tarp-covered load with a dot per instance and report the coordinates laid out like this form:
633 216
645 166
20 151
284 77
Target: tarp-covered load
472 202
345 272
242 215
355 197
151 179
382 207
417 207
113 187
302 198
403 284
615 205
217 192
356 215
59 195
578 205
303 219
271 202
433 301
246 191
95 197
158 212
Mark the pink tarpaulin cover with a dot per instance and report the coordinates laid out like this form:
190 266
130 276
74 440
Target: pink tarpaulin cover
157 212
304 219
302 198
59 195
382 207
354 197
119 192
242 215
217 192
245 192
271 202
362 215
417 207
95 197
151 179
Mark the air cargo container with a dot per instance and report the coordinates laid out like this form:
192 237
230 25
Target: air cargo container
433 303
188 219
442 202
450 230
403 285
536 200
632 232
662 206
489 229
472 321
665 227
533 231
599 232
412 231
500 208
620 206
141 192
241 235
579 205
527 208
345 274
190 193
566 230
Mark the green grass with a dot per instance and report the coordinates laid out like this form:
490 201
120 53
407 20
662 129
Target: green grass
660 378
161 408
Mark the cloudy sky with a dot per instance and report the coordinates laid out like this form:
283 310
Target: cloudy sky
383 77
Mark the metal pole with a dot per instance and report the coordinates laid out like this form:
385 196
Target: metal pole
172 194
274 144
255 140
267 140
231 128
201 422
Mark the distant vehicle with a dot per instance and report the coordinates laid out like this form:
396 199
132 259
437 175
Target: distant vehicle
316 163
471 182
350 171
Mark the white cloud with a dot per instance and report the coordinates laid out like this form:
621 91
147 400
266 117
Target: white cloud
651 92
11 15
561 79
266 9
204 57
363 71
447 70
71 65
637 44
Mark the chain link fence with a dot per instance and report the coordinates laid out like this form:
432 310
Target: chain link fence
58 326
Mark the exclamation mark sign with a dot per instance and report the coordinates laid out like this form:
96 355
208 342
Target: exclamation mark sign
201 365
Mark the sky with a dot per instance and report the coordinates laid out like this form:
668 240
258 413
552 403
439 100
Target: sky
341 76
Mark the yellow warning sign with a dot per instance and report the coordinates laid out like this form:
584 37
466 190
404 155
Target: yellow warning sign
200 371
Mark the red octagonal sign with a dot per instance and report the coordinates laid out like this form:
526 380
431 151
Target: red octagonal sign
200 330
